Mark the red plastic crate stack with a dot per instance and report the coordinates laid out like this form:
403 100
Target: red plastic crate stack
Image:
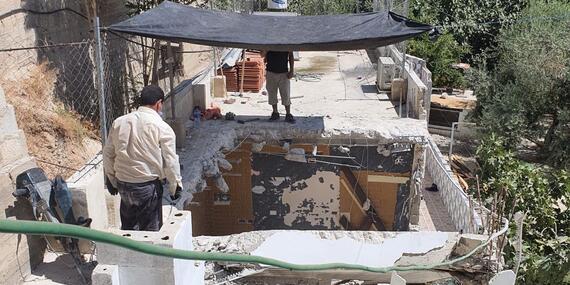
254 75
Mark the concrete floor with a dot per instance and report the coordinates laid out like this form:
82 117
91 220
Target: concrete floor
58 269
433 213
333 92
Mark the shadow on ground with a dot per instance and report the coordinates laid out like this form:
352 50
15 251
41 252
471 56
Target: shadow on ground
60 269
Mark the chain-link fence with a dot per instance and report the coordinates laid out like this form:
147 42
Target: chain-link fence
131 62
64 69
52 89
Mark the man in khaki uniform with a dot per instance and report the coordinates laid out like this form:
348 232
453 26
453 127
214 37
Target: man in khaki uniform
139 153
278 78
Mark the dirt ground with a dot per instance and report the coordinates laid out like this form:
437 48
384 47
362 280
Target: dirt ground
57 137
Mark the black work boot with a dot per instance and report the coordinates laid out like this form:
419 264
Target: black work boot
274 116
289 119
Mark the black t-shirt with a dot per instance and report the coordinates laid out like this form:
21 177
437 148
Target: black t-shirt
277 61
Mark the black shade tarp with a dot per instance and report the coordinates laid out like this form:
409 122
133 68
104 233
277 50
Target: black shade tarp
180 23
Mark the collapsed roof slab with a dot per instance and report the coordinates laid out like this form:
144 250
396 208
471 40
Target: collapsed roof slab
377 249
335 101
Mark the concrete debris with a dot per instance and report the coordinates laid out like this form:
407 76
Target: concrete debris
417 249
466 244
296 154
224 164
344 149
257 147
258 189
221 184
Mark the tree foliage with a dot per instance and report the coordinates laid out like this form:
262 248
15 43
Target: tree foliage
324 7
440 55
475 24
543 195
527 95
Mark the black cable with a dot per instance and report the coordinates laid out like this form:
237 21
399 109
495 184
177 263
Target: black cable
43 47
24 10
55 164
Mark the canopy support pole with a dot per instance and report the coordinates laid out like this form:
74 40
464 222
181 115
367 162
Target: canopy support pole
171 67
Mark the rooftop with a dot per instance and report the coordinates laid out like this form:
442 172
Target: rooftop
334 99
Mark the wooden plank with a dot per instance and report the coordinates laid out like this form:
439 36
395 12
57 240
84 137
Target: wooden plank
387 179
361 196
353 196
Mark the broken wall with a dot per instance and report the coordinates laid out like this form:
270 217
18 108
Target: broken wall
267 192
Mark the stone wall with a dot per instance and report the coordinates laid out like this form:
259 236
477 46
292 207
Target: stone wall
19 253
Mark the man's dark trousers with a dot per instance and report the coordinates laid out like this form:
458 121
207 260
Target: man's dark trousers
141 205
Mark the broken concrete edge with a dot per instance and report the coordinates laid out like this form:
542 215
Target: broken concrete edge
208 143
247 243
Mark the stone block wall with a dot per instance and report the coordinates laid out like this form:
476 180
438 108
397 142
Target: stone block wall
18 253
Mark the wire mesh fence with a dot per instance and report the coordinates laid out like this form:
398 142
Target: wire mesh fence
51 88
64 69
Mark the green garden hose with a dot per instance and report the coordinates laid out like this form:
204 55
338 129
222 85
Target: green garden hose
54 229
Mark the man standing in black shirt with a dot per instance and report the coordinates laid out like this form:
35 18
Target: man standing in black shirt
280 69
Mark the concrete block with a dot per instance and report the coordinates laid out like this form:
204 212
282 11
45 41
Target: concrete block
170 235
466 244
145 276
219 86
397 279
139 269
12 147
105 275
201 95
179 127
17 167
398 90
88 193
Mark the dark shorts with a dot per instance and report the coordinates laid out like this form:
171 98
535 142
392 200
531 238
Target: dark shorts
141 205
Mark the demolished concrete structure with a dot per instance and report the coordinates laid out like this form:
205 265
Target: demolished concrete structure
364 164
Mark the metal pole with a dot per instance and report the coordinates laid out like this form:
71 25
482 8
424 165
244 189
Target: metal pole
215 54
242 74
100 82
453 125
405 13
171 67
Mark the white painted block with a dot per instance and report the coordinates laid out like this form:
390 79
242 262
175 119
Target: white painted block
105 275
